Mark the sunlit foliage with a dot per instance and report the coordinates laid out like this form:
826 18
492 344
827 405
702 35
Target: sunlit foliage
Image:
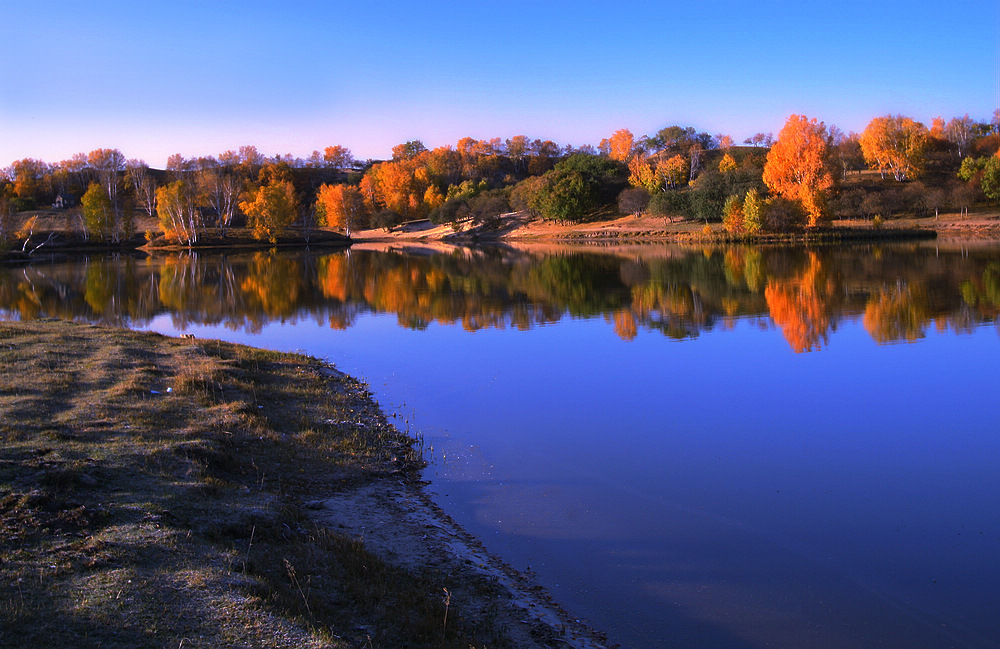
798 165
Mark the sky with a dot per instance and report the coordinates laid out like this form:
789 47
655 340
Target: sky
198 78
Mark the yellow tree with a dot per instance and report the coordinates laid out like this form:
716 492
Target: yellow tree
727 163
177 210
270 209
642 174
673 170
896 144
798 166
340 206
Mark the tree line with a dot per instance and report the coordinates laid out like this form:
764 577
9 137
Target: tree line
768 183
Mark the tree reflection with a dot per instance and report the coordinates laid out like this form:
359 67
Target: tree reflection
898 292
897 313
802 305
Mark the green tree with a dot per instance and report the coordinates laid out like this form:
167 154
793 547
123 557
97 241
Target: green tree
408 150
110 165
991 179
565 196
98 213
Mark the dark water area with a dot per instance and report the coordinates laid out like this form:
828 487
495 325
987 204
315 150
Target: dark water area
688 447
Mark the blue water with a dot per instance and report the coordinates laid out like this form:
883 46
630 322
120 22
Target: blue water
715 489
717 492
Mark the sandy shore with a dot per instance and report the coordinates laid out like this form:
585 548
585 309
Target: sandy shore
400 523
520 227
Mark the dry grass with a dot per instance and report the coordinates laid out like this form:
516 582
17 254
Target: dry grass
149 490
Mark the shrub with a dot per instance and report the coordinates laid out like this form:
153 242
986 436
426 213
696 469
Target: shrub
386 219
669 204
633 201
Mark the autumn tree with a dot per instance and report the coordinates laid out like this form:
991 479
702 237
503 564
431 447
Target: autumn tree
341 206
177 210
28 176
517 151
727 163
732 215
643 174
620 145
847 153
896 144
270 209
674 170
338 157
797 165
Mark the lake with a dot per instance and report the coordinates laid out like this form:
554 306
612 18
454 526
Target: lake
728 447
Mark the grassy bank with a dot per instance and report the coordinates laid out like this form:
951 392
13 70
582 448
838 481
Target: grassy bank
153 492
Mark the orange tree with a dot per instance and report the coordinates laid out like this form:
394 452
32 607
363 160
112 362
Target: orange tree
798 166
896 144
341 206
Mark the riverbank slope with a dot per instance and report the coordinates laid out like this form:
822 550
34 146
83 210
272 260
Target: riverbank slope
518 226
180 492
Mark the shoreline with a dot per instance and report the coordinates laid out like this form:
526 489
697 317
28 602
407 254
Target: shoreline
518 227
257 498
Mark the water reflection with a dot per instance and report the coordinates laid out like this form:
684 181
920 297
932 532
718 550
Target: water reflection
727 493
899 291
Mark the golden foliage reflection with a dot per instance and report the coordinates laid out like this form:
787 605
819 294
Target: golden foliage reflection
678 292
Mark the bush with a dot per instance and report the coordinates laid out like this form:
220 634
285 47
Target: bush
386 219
782 214
633 201
451 211
711 189
486 207
669 204
24 203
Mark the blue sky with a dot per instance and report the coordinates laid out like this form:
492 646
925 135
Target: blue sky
197 78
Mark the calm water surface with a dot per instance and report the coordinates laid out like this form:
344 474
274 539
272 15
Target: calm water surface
732 448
